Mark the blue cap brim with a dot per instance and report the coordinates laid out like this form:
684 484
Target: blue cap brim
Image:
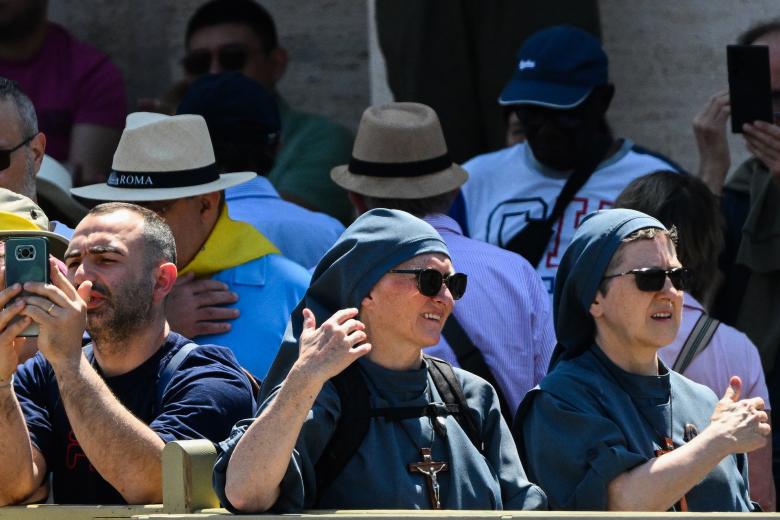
552 95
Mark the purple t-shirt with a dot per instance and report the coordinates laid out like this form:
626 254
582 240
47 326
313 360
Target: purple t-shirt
69 82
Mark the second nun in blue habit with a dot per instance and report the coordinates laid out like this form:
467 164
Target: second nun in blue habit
610 427
359 311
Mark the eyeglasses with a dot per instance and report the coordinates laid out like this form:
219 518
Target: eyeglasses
429 281
5 155
230 57
652 279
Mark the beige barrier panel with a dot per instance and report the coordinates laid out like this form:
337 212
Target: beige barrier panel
187 469
55 512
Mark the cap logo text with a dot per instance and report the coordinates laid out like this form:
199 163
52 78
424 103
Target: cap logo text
129 180
526 64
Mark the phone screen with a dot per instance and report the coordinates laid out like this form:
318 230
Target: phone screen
26 260
750 86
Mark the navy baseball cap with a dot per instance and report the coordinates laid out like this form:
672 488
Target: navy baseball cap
556 67
236 108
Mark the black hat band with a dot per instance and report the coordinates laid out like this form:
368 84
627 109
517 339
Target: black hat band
175 179
400 169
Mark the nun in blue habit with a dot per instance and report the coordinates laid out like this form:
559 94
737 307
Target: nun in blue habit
596 433
271 462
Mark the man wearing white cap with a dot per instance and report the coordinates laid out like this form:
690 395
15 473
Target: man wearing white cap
530 198
167 164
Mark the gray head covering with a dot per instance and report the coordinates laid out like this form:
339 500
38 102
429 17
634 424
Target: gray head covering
375 243
580 272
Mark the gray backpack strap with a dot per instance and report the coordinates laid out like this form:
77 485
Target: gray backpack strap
697 341
171 367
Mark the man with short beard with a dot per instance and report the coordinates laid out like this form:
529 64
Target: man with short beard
98 418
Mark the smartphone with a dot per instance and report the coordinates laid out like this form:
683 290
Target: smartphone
26 260
750 86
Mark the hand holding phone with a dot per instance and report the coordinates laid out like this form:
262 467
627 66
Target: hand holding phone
26 260
750 85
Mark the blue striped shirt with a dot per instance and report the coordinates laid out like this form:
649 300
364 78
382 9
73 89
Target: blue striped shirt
505 311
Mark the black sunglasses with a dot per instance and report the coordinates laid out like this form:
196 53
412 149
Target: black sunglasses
652 279
5 155
429 281
231 57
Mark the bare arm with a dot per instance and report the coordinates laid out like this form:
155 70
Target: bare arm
125 451
24 467
92 149
762 483
260 460
736 427
709 129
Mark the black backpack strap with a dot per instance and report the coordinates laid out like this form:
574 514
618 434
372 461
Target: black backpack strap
167 372
351 427
697 341
471 359
170 368
451 392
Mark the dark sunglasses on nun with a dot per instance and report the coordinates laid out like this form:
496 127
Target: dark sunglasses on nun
652 279
230 57
5 155
429 281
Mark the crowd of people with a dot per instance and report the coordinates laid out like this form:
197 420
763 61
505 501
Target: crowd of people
565 323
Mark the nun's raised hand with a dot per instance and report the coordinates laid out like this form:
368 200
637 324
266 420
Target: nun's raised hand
326 350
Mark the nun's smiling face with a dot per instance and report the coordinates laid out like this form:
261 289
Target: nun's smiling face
399 319
631 325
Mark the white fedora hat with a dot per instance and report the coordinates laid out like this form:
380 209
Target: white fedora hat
162 157
399 153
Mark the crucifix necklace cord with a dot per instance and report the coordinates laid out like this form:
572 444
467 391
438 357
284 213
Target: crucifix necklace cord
427 467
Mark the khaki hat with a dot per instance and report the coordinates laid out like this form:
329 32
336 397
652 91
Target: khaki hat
400 153
20 216
162 157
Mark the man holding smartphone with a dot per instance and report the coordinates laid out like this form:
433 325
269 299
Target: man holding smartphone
98 418
748 298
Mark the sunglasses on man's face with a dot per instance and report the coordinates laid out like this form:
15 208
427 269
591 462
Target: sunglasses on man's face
230 57
652 279
429 281
5 155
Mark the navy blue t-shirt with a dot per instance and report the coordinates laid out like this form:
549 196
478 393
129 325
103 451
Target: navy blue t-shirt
207 394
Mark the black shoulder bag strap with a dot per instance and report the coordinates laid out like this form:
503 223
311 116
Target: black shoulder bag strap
697 341
351 427
171 367
531 241
449 388
471 359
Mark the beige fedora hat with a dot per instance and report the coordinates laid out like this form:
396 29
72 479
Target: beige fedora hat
162 157
20 216
399 153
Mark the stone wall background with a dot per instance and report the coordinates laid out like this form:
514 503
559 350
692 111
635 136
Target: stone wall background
667 57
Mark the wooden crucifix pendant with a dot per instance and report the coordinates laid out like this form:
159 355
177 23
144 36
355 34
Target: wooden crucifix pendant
430 470
682 505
